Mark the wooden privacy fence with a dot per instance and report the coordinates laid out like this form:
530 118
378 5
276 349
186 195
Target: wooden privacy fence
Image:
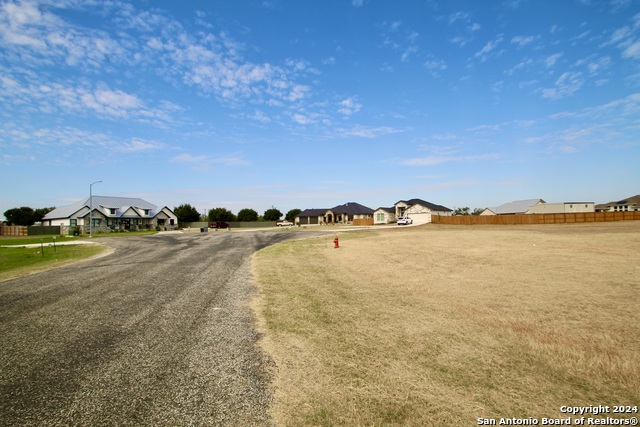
363 221
13 230
22 230
562 218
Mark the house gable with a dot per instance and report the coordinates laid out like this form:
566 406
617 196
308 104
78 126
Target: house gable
512 208
384 215
628 204
418 206
420 211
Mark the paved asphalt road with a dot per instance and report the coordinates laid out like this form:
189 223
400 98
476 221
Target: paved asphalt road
155 334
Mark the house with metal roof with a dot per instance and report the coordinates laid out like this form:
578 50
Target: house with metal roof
562 207
513 208
420 211
112 213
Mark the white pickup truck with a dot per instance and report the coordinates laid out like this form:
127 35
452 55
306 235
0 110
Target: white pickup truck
284 223
404 220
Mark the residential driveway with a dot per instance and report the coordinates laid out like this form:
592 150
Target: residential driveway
157 333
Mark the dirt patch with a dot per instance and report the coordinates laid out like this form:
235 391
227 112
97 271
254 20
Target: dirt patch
438 325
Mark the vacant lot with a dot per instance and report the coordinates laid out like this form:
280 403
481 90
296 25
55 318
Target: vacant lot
442 325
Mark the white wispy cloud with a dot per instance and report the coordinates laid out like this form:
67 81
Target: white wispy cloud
449 136
260 116
460 40
489 49
303 119
40 37
595 64
137 145
211 63
632 51
399 38
523 41
551 60
522 65
627 39
68 141
349 106
205 162
459 16
82 98
567 84
368 131
435 66
436 160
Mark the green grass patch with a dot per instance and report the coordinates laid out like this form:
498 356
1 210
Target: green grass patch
19 261
28 240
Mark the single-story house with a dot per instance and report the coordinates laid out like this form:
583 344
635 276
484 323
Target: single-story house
384 215
513 208
625 205
341 214
566 207
346 213
310 216
419 210
111 213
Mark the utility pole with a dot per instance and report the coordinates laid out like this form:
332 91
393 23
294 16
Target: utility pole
91 208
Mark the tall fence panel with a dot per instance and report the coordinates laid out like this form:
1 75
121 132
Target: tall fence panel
564 218
362 221
39 230
13 230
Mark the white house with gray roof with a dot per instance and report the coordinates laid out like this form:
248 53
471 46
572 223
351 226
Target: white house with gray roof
112 213
513 208
420 211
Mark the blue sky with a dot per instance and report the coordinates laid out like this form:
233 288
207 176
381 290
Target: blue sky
311 104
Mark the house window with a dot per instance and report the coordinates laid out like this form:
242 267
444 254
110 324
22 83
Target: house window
96 222
112 211
146 212
73 222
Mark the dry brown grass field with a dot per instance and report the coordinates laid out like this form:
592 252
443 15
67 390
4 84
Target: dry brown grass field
442 325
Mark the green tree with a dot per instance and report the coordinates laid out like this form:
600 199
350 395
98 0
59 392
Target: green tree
38 214
186 213
462 211
477 211
221 214
272 214
247 215
20 216
291 215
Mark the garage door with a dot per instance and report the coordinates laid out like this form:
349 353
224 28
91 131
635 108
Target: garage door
420 218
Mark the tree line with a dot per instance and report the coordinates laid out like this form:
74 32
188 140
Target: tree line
185 213
188 213
25 215
467 211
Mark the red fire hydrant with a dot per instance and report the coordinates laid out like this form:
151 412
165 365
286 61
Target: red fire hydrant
335 242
